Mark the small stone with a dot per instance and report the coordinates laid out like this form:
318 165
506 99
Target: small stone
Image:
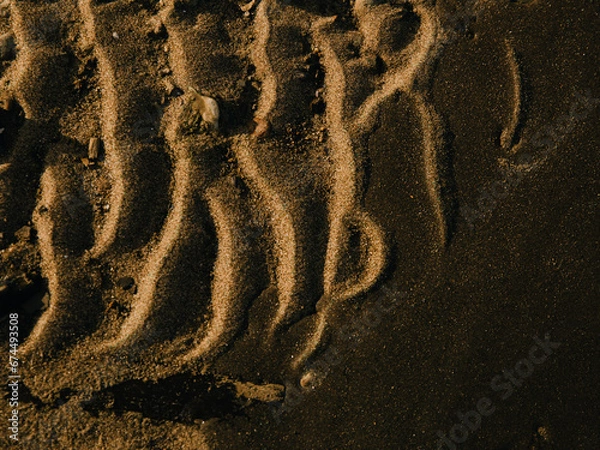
24 234
87 163
126 283
200 112
94 149
115 35
310 380
544 434
106 207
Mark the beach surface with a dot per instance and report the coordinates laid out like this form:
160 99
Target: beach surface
300 224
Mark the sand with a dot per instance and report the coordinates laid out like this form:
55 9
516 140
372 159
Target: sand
300 223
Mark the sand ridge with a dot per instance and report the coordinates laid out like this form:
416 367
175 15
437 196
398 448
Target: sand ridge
202 260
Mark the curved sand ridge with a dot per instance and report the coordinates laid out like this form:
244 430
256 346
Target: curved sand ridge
193 296
38 82
232 283
509 139
347 128
40 96
115 161
83 296
126 95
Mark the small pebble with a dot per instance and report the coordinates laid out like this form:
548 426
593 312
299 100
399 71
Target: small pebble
207 107
87 163
94 149
310 380
248 6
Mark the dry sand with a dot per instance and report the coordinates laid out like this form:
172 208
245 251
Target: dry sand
300 224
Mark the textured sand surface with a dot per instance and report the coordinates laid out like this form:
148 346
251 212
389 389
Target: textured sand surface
308 224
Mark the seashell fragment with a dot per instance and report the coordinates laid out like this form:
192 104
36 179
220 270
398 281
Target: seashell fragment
208 109
200 111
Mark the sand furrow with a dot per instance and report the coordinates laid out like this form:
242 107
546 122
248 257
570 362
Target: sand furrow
432 146
234 273
45 228
180 245
283 228
179 258
285 217
345 203
147 298
375 245
345 195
